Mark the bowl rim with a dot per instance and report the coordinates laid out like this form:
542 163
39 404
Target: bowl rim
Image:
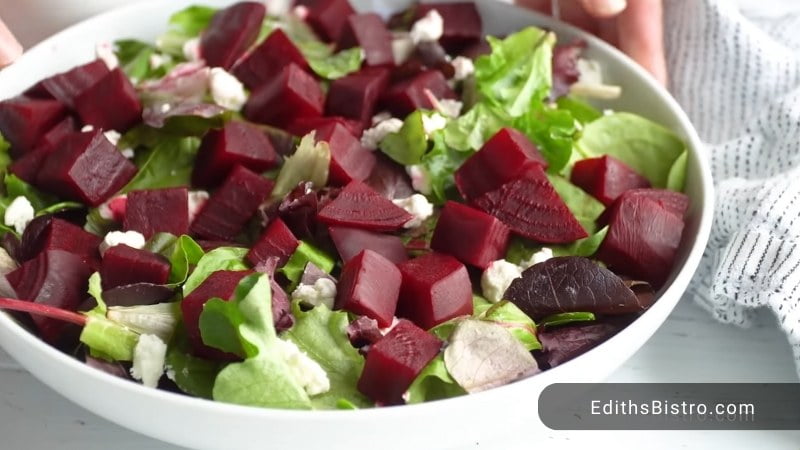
673 291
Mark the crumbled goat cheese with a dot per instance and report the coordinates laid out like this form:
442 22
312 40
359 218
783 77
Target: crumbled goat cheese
430 28
418 206
373 136
433 123
322 292
226 90
19 214
87 129
380 117
420 179
127 153
191 49
112 136
306 371
385 331
301 12
157 60
590 84
539 257
402 47
464 68
449 107
278 8
197 199
105 52
148 360
105 210
130 238
497 278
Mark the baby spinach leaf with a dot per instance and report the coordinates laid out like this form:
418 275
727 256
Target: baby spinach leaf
184 25
15 187
168 164
409 144
581 111
566 318
583 206
182 252
194 376
304 254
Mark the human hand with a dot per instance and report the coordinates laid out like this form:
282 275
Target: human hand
10 48
634 26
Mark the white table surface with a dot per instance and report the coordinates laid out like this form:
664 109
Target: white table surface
690 347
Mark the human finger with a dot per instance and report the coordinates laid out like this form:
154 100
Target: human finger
604 9
640 30
10 48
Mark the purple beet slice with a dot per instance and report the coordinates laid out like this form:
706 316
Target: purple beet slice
503 158
24 121
642 240
572 284
236 143
407 96
86 168
66 87
55 278
349 159
369 286
435 289
356 96
232 205
532 208
350 242
123 265
111 103
472 236
305 125
674 202
327 17
277 241
369 32
138 294
462 23
359 206
46 233
266 61
231 32
559 345
395 361
292 95
157 211
606 178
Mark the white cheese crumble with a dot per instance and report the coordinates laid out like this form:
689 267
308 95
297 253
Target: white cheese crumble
197 199
301 12
497 278
322 292
87 129
306 371
278 8
402 47
157 60
380 117
112 136
191 49
385 331
433 123
105 52
127 153
130 238
373 136
449 108
590 84
539 257
420 180
148 360
226 90
464 68
430 28
418 206
19 214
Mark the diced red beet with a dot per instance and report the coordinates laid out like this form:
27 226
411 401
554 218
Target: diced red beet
675 202
462 23
642 240
66 87
48 233
111 103
502 158
477 49
435 289
55 278
236 143
86 167
27 167
231 32
221 284
349 159
229 208
395 361
350 242
305 125
532 208
356 96
327 17
292 95
38 91
358 206
369 32
606 178
266 61
24 121
472 236
407 96
123 265
157 211
277 241
118 207
62 129
369 286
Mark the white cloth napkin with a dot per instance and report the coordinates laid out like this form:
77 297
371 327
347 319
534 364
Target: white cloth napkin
735 69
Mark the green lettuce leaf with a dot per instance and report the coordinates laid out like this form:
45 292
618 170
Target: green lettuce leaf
585 247
310 162
566 318
337 65
473 129
96 224
304 254
581 111
554 131
15 187
583 206
194 376
434 383
105 338
182 252
134 59
222 258
409 144
5 157
515 321
169 164
184 25
439 164
58 207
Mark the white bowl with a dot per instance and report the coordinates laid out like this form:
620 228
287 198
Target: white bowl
452 423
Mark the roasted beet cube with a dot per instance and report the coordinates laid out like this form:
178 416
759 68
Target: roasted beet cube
28 165
305 125
123 265
266 61
359 206
232 205
370 33
55 278
606 178
472 236
462 24
66 87
277 241
24 121
111 104
349 159
292 95
355 96
327 17
62 129
369 286
231 32
48 233
502 158
675 202
435 289
407 96
86 167
642 240
395 361
531 208
157 211
236 143
350 242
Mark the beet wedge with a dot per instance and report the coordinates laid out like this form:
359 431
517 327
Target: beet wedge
472 236
356 96
606 178
157 211
231 32
266 61
111 103
24 121
277 242
369 32
359 206
435 289
123 265
369 286
66 87
236 143
286 98
674 202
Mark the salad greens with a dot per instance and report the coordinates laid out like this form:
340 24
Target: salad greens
409 144
304 254
223 258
